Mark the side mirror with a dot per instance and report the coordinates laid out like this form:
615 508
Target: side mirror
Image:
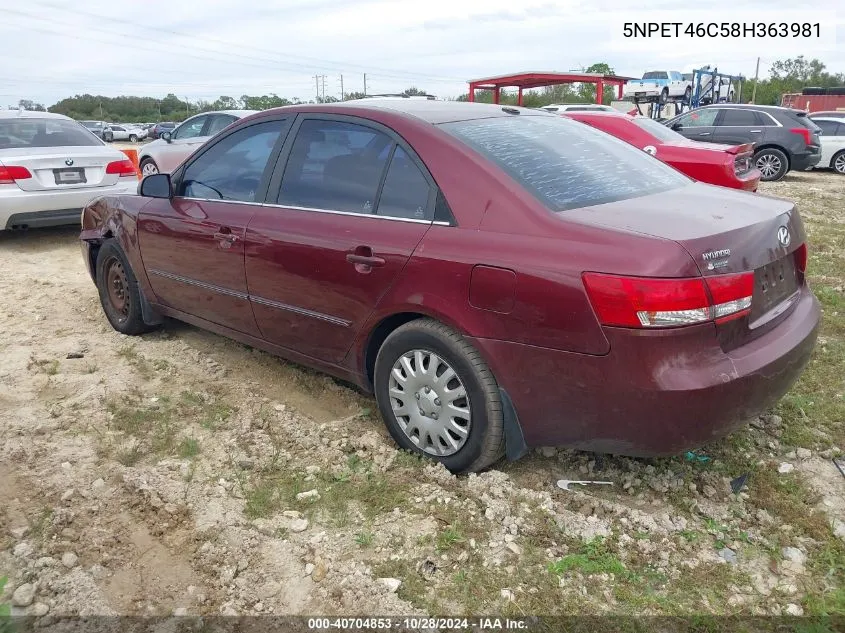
156 186
166 136
677 127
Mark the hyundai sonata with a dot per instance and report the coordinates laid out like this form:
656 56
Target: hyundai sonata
498 277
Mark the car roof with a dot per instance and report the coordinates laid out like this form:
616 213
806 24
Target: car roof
601 113
827 117
764 108
433 112
31 114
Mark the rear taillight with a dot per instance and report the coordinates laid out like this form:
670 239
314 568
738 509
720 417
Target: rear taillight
805 132
8 175
801 258
123 168
647 302
742 164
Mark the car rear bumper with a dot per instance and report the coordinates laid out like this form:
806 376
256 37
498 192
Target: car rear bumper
802 162
656 392
33 209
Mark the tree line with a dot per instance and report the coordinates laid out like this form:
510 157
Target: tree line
789 75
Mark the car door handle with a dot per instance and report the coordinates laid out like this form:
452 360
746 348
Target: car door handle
224 233
755 131
704 134
365 260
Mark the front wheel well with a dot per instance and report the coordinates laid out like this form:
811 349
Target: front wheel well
379 335
94 251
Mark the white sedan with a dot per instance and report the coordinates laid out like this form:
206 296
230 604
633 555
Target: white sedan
51 167
122 132
832 136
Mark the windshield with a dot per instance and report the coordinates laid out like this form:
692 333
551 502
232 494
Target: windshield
32 132
656 74
658 130
566 164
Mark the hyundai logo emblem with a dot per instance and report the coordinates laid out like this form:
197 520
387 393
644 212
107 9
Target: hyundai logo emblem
68 162
783 236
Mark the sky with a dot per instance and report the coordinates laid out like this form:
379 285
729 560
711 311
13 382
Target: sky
202 49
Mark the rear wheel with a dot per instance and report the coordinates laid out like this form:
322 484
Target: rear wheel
687 94
664 96
837 163
148 167
118 289
133 138
438 397
772 164
108 137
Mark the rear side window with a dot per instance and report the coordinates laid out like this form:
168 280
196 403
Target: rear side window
737 117
830 128
336 166
218 123
33 132
565 164
232 168
406 191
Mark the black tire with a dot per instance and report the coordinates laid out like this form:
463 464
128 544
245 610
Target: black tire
133 138
150 164
688 94
837 163
664 96
108 138
127 320
484 444
773 156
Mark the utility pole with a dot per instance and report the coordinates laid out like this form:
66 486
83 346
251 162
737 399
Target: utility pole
317 85
756 78
187 107
365 84
323 77
341 88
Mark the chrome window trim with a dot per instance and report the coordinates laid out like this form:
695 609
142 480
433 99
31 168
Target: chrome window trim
258 204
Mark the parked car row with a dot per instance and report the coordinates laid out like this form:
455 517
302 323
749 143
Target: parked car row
499 277
109 132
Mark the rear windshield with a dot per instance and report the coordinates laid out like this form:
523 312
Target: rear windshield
658 130
564 163
170 125
31 132
804 120
656 74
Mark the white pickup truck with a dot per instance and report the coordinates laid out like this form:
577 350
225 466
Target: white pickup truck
658 85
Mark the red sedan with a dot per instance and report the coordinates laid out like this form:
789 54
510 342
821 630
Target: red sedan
723 165
498 277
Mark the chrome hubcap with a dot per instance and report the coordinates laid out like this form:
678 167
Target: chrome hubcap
149 169
839 164
430 403
769 165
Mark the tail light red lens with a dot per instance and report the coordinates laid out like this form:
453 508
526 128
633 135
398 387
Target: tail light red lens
123 168
647 302
801 258
805 132
8 175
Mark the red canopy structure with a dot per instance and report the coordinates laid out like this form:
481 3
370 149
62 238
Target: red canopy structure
523 81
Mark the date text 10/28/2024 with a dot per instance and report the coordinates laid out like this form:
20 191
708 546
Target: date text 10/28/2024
417 624
721 29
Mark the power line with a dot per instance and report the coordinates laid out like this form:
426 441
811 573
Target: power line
394 73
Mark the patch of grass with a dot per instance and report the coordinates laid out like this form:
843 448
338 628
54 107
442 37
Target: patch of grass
271 491
789 500
449 537
90 368
364 538
826 596
52 368
595 557
5 608
130 456
38 526
189 447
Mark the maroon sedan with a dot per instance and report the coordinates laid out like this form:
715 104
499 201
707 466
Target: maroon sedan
713 163
499 277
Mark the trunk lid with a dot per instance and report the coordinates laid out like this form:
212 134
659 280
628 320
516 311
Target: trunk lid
724 231
62 168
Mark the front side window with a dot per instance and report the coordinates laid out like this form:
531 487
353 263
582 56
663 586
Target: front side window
737 117
565 164
34 132
334 165
702 117
232 168
190 129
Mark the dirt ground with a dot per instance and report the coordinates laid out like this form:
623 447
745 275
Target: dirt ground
180 472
